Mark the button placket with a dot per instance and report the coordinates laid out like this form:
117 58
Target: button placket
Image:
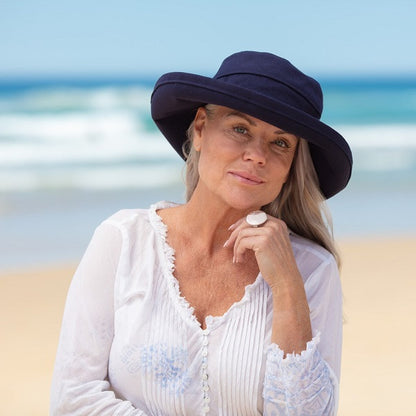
204 373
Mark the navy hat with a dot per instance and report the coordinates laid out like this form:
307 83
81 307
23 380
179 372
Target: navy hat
263 86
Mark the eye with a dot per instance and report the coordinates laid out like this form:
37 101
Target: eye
281 143
240 130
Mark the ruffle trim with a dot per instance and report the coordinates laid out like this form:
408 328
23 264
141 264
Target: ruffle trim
169 254
162 230
275 353
183 306
298 384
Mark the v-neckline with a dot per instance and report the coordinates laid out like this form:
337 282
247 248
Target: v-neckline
182 305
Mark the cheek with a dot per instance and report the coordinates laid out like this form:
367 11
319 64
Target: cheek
286 167
208 164
277 189
286 177
281 174
202 165
216 148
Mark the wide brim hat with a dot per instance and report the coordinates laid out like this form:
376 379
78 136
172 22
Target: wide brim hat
263 86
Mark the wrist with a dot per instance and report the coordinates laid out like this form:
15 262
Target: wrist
290 287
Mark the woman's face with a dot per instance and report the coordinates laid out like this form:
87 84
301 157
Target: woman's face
243 161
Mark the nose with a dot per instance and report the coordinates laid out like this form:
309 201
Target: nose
255 151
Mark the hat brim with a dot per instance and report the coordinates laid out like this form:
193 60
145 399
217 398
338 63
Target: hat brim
178 95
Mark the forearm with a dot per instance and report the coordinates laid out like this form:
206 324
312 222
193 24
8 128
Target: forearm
89 399
302 376
298 380
291 326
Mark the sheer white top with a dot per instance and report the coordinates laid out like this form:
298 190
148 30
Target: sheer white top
130 344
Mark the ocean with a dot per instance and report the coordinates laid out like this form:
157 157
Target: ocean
73 151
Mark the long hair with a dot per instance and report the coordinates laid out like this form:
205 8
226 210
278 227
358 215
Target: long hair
300 203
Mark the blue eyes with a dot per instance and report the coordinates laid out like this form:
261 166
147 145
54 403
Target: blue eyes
240 130
281 143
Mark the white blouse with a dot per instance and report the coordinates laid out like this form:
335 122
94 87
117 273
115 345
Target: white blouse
130 344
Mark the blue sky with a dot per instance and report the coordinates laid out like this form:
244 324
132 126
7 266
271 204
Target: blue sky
133 37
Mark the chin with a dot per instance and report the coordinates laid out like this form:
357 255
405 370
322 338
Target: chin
245 204
244 200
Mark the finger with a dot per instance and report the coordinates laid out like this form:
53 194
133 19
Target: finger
235 228
260 239
248 239
236 224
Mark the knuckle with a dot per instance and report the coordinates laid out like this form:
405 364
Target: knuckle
279 224
269 232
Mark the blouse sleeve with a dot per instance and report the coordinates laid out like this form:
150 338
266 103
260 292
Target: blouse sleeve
80 385
307 384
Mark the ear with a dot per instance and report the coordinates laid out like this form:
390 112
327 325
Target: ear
199 124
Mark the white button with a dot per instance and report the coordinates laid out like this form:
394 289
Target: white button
204 351
205 387
207 399
204 376
205 409
205 341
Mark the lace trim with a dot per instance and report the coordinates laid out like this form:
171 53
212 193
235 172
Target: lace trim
173 284
299 383
169 253
162 231
275 353
248 293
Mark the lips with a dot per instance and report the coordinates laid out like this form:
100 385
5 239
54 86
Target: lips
246 177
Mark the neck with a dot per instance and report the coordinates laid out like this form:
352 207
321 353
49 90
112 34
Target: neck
208 220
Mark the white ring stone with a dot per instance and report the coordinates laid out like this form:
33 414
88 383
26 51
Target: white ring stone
256 218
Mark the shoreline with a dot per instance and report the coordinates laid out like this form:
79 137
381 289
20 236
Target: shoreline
379 308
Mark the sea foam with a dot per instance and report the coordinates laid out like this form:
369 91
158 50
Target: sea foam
104 137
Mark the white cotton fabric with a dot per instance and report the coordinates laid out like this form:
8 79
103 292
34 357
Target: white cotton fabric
130 344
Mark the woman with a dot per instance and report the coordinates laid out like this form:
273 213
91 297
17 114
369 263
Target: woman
229 304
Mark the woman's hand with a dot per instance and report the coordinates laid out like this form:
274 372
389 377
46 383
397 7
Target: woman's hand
274 254
271 246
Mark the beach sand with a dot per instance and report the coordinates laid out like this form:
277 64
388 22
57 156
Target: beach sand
378 365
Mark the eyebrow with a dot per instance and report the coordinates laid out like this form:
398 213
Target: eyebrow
251 121
242 115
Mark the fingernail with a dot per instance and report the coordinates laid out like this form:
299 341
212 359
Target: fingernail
231 227
226 243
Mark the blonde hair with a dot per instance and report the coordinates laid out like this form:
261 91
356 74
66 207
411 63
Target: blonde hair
300 203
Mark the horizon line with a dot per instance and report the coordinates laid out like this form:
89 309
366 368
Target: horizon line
148 79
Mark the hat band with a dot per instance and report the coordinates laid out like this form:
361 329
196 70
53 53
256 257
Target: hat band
271 88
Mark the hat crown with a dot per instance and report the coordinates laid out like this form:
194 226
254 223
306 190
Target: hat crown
275 78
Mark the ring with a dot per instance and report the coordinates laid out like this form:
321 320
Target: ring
256 218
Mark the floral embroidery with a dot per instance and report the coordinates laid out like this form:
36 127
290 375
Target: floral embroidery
288 389
130 358
168 365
